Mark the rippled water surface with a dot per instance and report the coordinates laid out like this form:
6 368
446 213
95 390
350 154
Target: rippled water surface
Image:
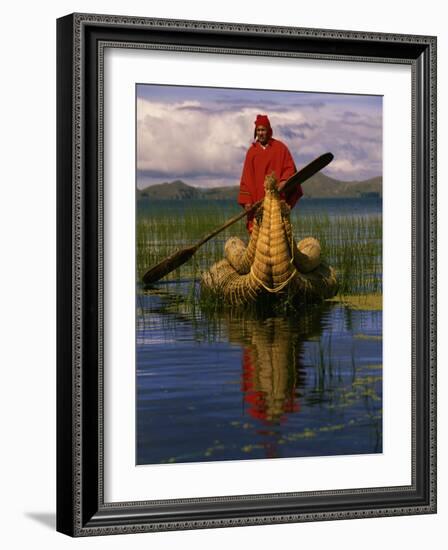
239 387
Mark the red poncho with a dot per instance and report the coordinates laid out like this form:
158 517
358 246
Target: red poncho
259 163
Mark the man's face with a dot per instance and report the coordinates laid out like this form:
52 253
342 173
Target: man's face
262 134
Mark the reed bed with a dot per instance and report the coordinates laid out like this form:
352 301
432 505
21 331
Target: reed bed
352 244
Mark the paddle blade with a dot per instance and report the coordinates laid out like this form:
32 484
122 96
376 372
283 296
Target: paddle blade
167 265
307 172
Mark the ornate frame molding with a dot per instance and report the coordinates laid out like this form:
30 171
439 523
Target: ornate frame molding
81 42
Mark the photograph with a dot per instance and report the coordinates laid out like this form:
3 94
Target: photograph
258 274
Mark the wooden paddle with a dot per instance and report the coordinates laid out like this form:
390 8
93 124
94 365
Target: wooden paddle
179 257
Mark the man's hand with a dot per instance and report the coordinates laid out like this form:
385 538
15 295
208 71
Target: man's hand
247 207
281 185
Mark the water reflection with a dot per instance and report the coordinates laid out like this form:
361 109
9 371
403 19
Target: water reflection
271 360
238 385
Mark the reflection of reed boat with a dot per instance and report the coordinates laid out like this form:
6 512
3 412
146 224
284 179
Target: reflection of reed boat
271 360
272 262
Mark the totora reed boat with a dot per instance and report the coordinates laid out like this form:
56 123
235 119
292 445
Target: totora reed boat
272 263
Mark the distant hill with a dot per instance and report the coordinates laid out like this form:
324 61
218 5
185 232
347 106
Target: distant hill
169 191
220 193
178 190
322 186
319 186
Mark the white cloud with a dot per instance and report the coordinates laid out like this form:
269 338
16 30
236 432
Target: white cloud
191 139
174 138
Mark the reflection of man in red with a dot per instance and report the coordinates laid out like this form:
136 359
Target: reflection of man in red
267 384
270 377
265 155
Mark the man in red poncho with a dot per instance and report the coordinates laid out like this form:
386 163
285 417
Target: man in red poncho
265 155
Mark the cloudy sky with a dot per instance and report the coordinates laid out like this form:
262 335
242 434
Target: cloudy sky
201 135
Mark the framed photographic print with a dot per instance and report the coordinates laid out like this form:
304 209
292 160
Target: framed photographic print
246 274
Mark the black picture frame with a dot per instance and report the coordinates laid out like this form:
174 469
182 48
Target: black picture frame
81 510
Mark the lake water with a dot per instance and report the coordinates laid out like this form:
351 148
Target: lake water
365 206
236 385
